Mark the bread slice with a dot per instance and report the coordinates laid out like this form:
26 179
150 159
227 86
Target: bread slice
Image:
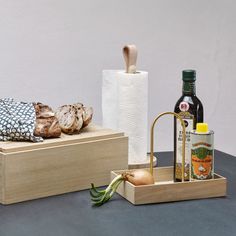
87 115
70 118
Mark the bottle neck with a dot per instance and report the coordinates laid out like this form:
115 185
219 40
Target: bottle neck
189 88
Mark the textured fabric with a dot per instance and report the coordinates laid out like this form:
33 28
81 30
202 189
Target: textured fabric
17 121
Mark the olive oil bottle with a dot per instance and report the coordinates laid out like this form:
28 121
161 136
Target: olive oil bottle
190 108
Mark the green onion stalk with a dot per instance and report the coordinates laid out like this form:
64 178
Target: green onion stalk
135 177
99 197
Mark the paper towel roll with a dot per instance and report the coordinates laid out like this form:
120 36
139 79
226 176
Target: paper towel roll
125 107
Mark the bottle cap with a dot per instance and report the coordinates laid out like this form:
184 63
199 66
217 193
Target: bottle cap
202 128
189 75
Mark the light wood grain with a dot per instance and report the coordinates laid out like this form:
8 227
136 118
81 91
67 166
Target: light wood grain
90 133
166 190
60 169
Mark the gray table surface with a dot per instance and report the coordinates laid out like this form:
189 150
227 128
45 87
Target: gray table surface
72 214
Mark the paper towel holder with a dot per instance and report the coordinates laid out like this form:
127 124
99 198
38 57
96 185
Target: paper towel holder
130 53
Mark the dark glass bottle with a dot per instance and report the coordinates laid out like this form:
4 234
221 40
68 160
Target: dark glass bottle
190 108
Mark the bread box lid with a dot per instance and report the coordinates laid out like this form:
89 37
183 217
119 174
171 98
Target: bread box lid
90 133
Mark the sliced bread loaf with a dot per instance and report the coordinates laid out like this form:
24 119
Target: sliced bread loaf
73 117
68 119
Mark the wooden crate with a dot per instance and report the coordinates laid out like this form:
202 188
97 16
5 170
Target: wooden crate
166 190
55 166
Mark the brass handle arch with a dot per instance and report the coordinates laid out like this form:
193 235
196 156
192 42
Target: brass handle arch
152 140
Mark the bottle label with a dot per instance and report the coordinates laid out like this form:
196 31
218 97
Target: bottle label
202 159
188 120
184 106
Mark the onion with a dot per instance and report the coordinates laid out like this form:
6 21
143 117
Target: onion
140 177
136 177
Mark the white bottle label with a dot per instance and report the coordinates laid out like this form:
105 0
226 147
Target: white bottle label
179 142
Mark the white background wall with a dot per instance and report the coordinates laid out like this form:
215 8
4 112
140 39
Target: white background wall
53 51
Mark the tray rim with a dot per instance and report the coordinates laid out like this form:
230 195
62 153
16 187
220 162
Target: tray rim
167 167
134 190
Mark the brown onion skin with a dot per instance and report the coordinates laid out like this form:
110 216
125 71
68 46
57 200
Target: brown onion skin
140 177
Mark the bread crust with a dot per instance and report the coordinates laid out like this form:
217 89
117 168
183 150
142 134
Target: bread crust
47 125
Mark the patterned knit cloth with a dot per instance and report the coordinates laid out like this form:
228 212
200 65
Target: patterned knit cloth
17 121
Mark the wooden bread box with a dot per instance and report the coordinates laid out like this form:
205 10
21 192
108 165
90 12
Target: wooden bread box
56 166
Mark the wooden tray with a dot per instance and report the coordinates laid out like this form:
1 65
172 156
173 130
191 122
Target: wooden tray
166 190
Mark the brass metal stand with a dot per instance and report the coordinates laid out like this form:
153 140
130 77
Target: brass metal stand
152 140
